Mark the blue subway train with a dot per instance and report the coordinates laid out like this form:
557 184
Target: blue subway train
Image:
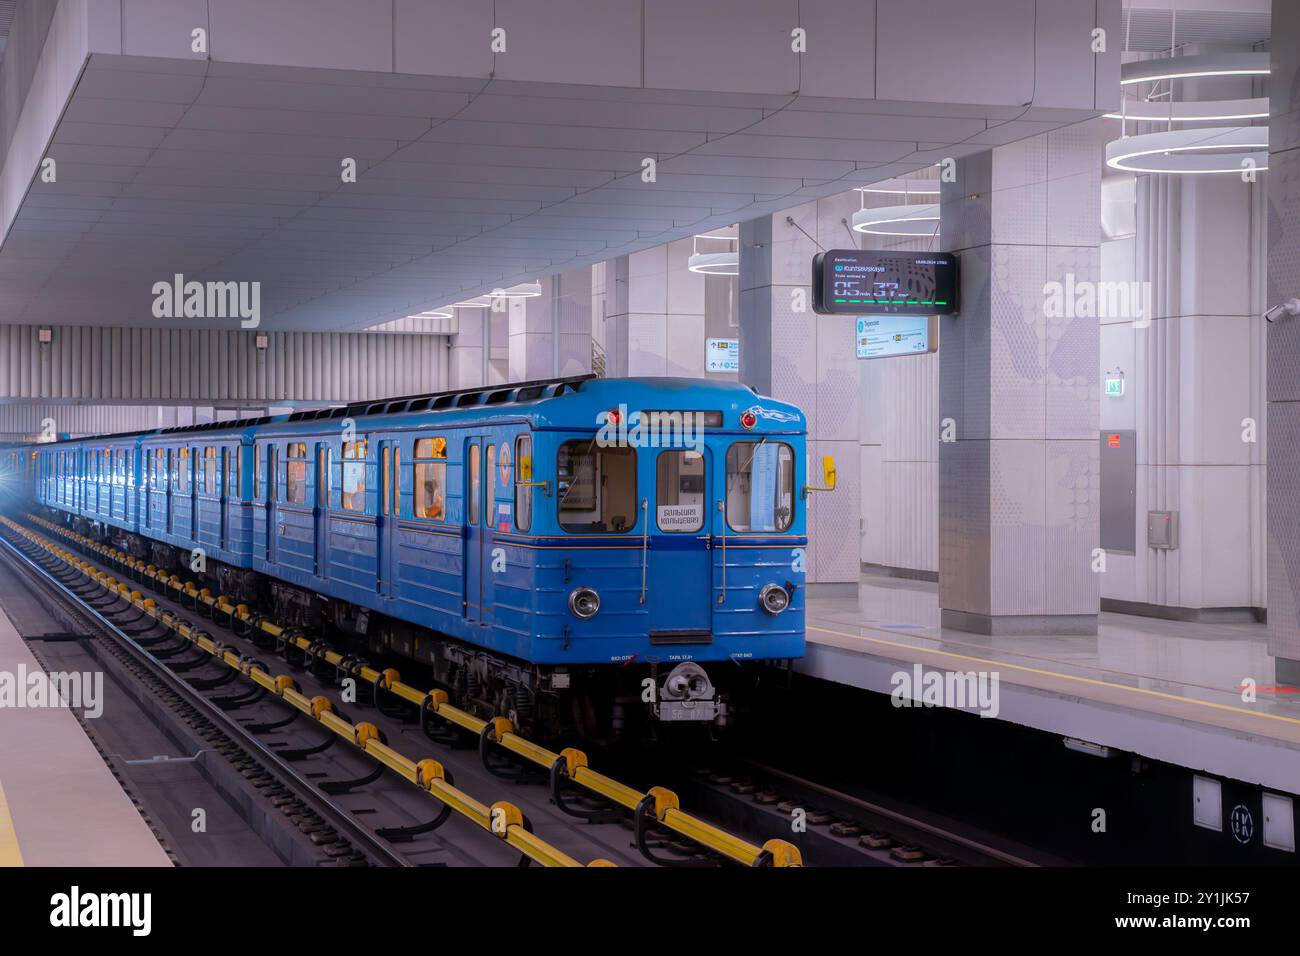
614 542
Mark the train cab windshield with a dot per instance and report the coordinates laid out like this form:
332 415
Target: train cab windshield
760 486
597 487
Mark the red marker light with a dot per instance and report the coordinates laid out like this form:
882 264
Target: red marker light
748 419
612 416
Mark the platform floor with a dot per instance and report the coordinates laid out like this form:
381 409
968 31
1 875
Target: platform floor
1168 690
59 803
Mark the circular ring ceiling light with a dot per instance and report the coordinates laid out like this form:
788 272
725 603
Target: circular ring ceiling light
716 263
916 220
481 302
1211 111
1194 151
432 314
903 187
525 290
1188 67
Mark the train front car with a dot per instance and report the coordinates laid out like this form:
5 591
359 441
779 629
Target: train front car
668 540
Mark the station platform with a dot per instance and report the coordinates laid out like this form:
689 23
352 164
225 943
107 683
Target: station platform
59 803
1168 690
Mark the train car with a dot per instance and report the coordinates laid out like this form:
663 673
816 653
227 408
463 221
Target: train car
19 465
558 551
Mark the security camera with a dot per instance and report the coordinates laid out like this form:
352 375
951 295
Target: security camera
1289 307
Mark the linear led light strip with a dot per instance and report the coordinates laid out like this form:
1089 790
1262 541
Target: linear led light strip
1143 111
1189 67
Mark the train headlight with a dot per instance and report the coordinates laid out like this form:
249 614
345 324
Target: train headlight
774 599
584 603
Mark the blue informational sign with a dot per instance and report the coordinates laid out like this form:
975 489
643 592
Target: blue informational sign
881 336
762 488
722 355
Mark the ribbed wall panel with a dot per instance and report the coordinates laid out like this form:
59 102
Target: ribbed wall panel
25 420
203 366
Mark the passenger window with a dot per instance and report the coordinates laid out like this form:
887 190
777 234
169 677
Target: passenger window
679 491
354 475
596 487
431 479
523 494
209 485
159 469
183 469
295 476
760 486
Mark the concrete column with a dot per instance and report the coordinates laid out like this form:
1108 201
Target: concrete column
1018 487
467 366
1283 184
790 353
1194 381
550 334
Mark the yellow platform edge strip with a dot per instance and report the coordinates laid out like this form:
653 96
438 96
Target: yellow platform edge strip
10 853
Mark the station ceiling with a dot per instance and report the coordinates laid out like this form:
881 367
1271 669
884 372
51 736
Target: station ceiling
232 172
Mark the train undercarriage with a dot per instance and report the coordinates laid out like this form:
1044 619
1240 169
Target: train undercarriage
595 704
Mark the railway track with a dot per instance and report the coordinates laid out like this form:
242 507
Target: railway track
198 645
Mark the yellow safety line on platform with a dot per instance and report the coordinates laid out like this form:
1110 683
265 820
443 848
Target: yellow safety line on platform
1047 673
10 854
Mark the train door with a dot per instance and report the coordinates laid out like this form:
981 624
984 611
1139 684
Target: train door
271 495
387 555
224 496
680 575
191 466
321 509
476 548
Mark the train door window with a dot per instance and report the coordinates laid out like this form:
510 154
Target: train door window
232 488
295 474
322 477
397 482
354 475
596 487
679 491
209 484
159 469
385 477
523 494
431 479
489 500
257 469
760 486
475 490
121 466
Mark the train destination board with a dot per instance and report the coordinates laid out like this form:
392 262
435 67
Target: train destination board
859 281
882 336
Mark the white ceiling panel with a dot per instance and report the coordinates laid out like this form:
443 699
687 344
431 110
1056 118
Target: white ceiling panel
231 172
